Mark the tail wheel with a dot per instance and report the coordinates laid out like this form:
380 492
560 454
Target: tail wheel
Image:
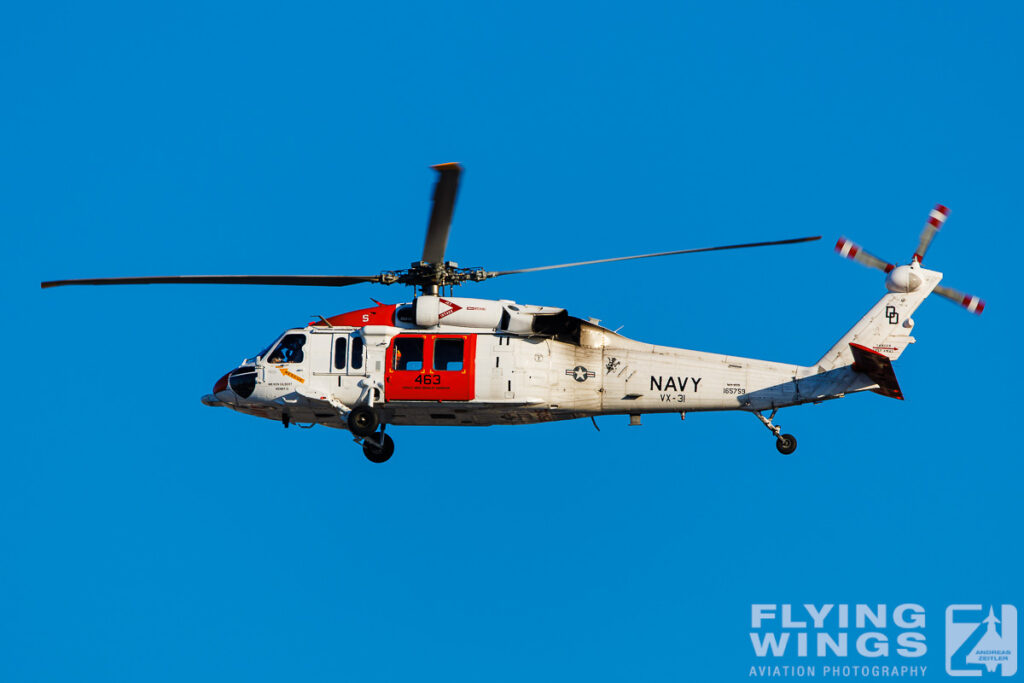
363 421
379 453
786 444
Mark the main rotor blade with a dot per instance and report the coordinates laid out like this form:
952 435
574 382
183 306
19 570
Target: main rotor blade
441 214
302 280
936 218
848 249
971 303
662 253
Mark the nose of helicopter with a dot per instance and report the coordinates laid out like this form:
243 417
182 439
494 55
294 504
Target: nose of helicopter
221 384
221 394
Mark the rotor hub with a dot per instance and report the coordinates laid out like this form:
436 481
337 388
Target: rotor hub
903 279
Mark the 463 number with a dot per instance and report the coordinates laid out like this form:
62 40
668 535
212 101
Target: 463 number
427 379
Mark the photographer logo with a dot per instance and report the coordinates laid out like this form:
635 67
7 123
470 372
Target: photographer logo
981 641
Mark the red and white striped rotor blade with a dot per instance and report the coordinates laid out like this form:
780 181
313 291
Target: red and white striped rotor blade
936 218
971 303
848 249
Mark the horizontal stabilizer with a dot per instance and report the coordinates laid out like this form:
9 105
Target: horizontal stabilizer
879 368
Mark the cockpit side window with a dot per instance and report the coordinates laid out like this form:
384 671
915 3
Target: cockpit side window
289 350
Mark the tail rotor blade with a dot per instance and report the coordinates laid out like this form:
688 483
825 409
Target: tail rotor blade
854 252
441 214
936 218
971 303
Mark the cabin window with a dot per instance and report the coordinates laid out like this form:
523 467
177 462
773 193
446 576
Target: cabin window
448 354
340 352
408 353
357 353
289 350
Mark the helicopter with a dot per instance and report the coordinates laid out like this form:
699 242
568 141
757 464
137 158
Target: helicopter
457 361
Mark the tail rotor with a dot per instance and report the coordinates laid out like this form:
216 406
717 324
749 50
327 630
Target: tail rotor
971 303
855 252
903 278
936 218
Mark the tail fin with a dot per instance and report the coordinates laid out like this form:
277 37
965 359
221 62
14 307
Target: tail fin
886 327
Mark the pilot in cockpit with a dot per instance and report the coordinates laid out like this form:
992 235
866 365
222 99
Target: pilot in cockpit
289 350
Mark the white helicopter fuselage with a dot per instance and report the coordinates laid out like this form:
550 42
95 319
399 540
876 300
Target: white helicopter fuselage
474 362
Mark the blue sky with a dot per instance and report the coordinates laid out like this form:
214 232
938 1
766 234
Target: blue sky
148 537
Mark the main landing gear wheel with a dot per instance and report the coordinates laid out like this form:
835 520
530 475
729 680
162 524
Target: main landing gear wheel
363 421
786 444
379 448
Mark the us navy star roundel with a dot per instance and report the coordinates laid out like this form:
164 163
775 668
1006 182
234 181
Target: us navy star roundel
580 373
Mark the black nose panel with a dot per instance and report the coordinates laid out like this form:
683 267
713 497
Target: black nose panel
243 381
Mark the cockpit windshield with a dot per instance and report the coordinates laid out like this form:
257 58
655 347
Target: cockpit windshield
263 354
289 350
